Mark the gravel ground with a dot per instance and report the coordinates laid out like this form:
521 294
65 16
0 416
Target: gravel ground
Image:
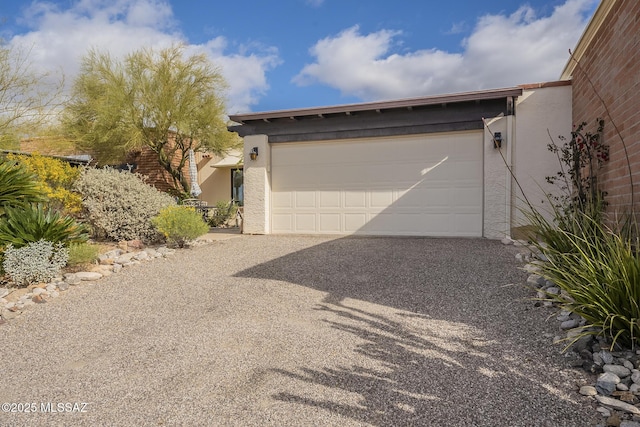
297 331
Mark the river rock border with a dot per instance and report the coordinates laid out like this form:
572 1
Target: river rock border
616 386
127 255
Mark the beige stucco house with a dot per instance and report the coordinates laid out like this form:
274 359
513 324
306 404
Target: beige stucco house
221 178
426 166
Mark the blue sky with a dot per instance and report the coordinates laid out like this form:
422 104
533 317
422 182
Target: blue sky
284 54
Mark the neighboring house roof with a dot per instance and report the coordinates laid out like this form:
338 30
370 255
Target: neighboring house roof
75 160
601 13
437 113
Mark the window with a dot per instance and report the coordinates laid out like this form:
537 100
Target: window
237 186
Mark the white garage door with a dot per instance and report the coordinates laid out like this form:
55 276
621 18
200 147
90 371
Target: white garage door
420 185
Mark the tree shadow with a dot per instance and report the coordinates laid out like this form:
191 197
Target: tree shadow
430 372
433 332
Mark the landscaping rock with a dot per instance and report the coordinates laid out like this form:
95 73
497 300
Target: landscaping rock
141 256
607 357
125 258
63 286
9 314
607 383
37 291
634 388
72 279
603 411
87 276
617 404
569 324
4 292
635 377
588 390
619 371
622 387
135 244
627 423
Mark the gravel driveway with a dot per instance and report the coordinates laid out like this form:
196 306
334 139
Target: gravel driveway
297 331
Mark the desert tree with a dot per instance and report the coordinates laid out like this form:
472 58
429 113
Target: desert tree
29 97
165 100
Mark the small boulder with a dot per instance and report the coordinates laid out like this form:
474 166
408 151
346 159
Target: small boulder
617 404
588 390
569 324
618 370
607 383
87 276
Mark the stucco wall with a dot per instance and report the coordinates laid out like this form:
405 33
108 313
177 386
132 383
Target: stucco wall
496 182
611 62
215 182
542 111
257 186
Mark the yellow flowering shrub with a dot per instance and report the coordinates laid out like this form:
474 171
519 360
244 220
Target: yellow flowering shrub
55 179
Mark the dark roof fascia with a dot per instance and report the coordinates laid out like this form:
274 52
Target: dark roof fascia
380 106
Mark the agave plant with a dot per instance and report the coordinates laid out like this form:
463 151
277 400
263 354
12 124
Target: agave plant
23 225
17 186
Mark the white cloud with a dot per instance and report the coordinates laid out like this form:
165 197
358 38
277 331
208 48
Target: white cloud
58 38
501 51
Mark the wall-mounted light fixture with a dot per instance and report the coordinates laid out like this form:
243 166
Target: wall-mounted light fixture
253 153
497 139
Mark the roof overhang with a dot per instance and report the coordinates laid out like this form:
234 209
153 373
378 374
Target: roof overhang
438 113
598 18
231 160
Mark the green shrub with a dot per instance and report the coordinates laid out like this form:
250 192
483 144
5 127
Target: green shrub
82 253
223 212
120 205
599 272
180 224
18 187
36 262
22 225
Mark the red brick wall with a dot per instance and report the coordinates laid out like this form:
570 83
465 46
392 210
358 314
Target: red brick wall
612 62
147 164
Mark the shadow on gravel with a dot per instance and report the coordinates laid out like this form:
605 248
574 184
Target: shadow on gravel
435 351
430 372
414 274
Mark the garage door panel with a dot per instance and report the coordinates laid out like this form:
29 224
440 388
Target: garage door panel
355 199
282 200
330 199
305 223
305 199
416 185
354 221
330 223
381 199
282 222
